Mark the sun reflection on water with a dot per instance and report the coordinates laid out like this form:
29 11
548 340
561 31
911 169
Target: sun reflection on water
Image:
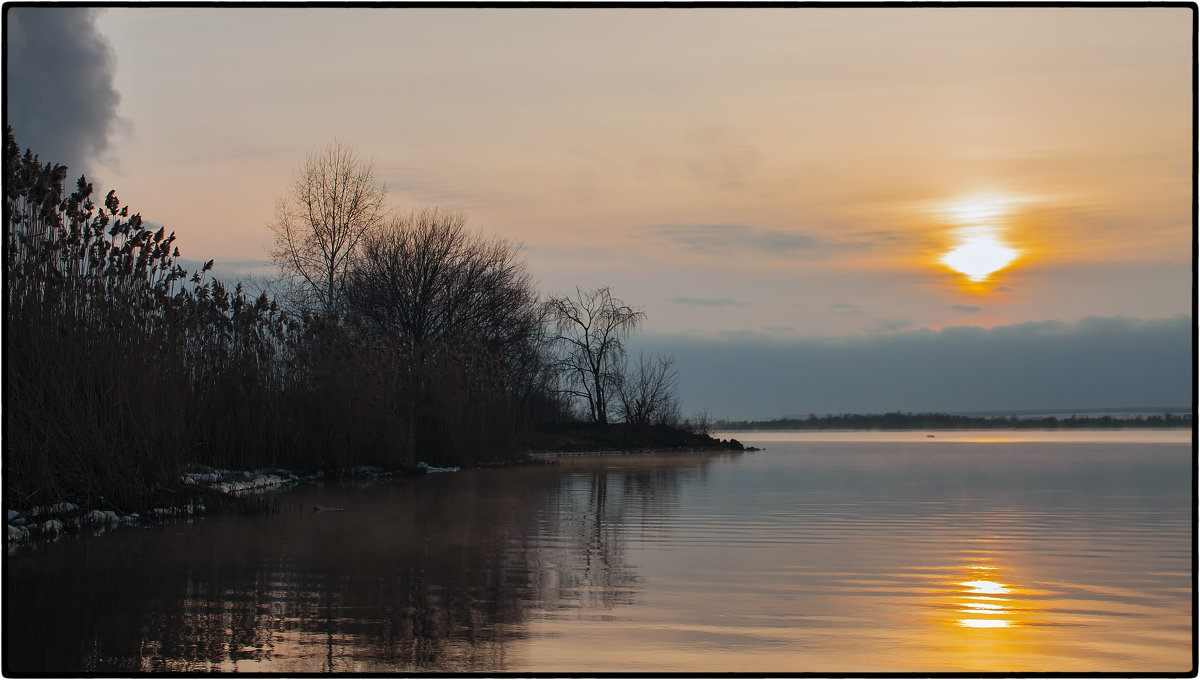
980 597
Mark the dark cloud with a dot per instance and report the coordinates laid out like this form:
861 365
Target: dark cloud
966 308
709 302
61 99
1109 362
725 239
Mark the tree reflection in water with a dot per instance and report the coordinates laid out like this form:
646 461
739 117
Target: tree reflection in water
430 574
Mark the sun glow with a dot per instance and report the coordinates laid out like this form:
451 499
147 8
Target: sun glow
987 603
990 587
980 255
980 250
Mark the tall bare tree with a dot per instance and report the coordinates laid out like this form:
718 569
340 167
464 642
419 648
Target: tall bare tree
590 330
334 200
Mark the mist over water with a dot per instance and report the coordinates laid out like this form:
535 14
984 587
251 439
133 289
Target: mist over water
835 556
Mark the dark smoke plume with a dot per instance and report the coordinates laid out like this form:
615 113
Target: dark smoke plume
61 100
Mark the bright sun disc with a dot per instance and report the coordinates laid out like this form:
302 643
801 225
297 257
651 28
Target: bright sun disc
979 256
980 250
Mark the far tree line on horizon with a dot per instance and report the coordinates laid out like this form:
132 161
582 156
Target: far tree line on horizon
388 340
948 421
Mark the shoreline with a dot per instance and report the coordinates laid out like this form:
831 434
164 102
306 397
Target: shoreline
205 491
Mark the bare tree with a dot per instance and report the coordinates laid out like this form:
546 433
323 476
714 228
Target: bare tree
700 423
590 330
333 202
427 278
648 393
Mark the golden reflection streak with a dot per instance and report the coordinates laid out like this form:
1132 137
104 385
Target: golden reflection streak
988 587
984 623
981 597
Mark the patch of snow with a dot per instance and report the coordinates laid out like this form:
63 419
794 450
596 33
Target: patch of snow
52 526
62 508
17 534
256 482
13 514
104 517
430 468
201 477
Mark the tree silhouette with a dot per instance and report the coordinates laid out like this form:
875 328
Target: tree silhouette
590 331
333 202
647 392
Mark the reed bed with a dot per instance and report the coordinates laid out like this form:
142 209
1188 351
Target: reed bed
123 367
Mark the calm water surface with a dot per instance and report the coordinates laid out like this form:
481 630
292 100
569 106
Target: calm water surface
908 555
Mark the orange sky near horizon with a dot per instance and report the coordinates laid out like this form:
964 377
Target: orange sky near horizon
780 171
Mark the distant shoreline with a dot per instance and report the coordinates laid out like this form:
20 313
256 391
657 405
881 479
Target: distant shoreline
944 421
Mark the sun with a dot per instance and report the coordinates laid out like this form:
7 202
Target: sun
980 249
979 255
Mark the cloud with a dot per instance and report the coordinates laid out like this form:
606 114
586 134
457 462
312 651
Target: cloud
61 100
966 308
889 325
719 160
844 307
709 302
722 239
1096 362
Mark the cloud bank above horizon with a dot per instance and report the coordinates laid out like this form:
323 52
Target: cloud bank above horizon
1096 362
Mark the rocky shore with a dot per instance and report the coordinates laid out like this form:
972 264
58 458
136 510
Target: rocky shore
623 438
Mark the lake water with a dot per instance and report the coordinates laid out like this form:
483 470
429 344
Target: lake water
887 552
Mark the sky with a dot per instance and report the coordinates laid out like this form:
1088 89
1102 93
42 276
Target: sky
778 188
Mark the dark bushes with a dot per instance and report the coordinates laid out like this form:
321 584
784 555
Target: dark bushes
122 367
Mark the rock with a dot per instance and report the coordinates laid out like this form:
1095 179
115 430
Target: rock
63 508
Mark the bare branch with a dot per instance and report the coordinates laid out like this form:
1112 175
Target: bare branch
334 201
591 329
